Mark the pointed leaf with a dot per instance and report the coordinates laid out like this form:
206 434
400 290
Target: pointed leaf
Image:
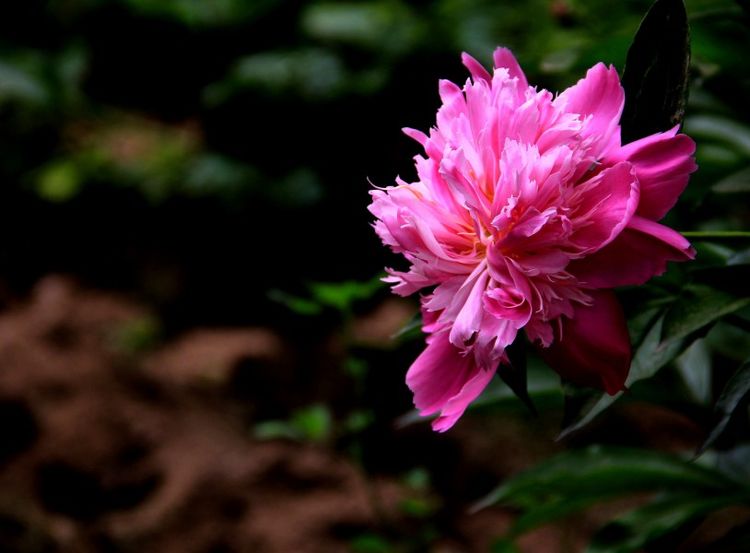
301 306
666 515
514 372
602 472
543 387
411 330
698 307
694 365
656 72
341 295
553 510
731 397
738 182
577 401
652 355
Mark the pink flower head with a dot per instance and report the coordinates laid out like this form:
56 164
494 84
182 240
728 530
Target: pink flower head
526 212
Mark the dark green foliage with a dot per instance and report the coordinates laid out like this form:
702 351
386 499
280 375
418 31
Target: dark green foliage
731 399
656 72
213 156
576 480
697 308
514 373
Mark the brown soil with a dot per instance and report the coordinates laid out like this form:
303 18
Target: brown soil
113 445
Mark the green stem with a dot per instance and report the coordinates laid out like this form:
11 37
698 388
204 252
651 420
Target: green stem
716 234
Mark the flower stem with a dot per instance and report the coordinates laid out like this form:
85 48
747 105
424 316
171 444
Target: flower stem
716 234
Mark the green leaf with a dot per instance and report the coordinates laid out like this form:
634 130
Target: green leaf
359 420
577 401
556 509
514 373
656 72
16 83
275 429
341 295
698 307
640 527
724 131
370 543
739 258
338 295
730 340
299 305
313 73
59 181
299 188
734 462
412 330
136 335
389 27
694 365
731 397
504 546
314 423
735 183
573 480
543 386
199 13
652 355
417 507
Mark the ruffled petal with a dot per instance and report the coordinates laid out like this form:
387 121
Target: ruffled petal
663 163
594 346
607 203
458 403
477 70
639 253
469 317
599 99
445 381
503 57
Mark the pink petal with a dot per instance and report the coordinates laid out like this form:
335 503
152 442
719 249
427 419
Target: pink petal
600 96
458 404
607 203
469 318
419 136
478 72
503 57
445 381
663 163
508 304
594 347
640 252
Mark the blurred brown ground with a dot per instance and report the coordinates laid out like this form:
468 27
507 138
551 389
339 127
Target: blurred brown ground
106 448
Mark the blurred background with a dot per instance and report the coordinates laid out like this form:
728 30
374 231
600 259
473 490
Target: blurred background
196 353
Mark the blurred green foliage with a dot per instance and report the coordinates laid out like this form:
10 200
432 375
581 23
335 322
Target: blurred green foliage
309 53
311 424
237 138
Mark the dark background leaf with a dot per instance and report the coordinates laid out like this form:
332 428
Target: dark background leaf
731 398
667 516
698 307
656 72
599 472
652 355
514 373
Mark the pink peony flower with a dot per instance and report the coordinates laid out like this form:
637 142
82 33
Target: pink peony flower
526 212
